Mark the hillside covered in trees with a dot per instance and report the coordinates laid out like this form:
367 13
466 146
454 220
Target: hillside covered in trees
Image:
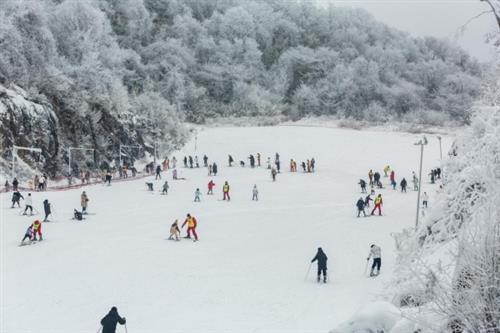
156 63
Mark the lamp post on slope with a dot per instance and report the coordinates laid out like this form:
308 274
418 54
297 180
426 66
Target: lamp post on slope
420 143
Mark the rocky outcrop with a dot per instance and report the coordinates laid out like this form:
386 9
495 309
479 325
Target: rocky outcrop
53 127
24 122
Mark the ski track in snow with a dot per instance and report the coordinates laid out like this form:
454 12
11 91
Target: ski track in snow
246 274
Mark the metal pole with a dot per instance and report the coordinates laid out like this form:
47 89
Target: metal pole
419 182
154 158
440 150
69 162
119 165
14 153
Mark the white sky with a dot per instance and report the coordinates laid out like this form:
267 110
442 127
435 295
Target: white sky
438 18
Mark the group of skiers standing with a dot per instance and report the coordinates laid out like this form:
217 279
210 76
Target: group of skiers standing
38 184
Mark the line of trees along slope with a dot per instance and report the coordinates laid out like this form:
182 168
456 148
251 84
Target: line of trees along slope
202 58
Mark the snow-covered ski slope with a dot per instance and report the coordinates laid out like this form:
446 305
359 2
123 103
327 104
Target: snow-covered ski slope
246 274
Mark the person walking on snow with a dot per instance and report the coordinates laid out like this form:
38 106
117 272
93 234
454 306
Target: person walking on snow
28 204
376 179
196 161
322 259
110 321
273 174
158 172
46 208
191 224
252 161
403 184
205 161
370 177
268 163
225 192
84 200
255 193
362 183
174 231
425 198
185 162
16 197
211 186
375 252
174 162
37 229
214 169
392 178
415 181
190 161
230 160
15 184
108 178
165 188
378 205
197 195
361 206
386 170
258 159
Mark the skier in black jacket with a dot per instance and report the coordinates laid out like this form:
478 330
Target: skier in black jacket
321 258
46 208
361 206
403 184
16 197
110 320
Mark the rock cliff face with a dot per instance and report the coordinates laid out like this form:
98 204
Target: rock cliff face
24 122
52 127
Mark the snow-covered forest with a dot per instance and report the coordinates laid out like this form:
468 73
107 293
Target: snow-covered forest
230 58
130 71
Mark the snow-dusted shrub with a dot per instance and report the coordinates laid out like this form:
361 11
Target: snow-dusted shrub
376 317
451 263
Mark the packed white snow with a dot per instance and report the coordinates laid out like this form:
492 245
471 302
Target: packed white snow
246 274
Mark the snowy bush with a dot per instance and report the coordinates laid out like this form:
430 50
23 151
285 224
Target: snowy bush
376 317
450 266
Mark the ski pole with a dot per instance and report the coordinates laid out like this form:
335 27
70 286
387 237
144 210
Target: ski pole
366 266
126 331
100 328
308 270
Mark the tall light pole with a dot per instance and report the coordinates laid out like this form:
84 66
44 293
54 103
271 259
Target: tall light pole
14 154
69 156
420 143
440 150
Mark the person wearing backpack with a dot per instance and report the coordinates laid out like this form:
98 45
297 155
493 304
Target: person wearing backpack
110 321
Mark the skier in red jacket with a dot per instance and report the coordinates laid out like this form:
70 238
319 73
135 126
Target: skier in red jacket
211 186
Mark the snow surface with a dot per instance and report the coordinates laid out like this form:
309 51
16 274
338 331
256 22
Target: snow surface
246 274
